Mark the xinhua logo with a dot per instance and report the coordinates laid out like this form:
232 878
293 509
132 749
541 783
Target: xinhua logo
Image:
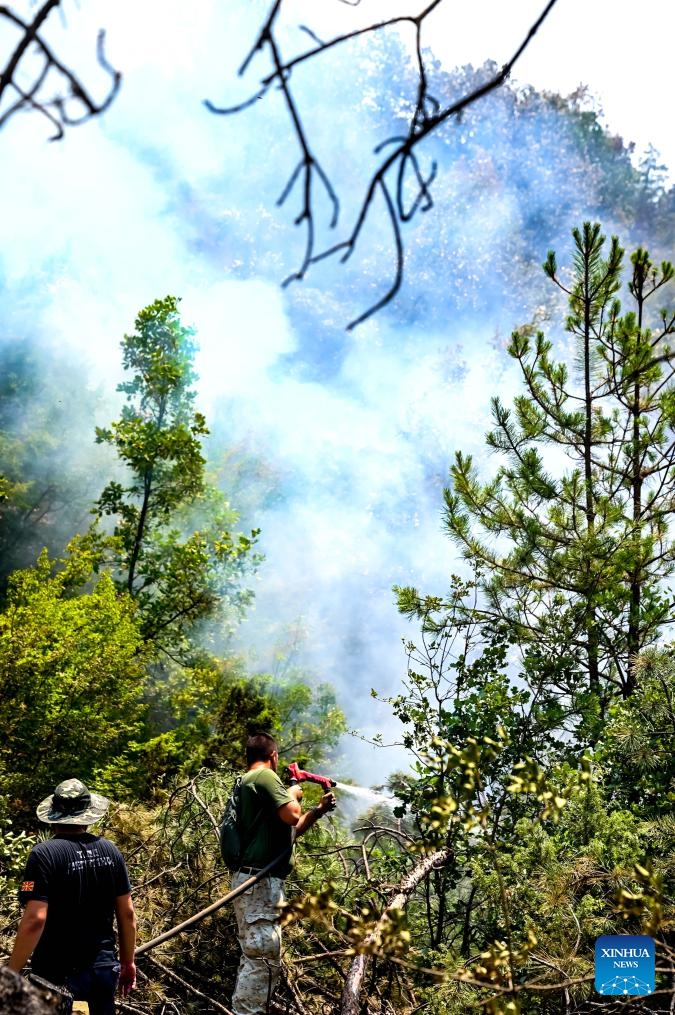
625 964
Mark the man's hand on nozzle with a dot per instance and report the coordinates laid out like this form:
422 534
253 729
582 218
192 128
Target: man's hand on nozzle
327 802
127 980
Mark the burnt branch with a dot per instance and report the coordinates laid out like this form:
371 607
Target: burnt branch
397 172
34 60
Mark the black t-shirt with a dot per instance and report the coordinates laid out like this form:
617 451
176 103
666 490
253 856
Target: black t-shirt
79 877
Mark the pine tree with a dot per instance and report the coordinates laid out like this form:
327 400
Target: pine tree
571 534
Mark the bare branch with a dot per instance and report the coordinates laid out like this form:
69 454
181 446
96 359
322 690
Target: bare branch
427 117
34 58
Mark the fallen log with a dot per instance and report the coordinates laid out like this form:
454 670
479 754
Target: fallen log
350 1003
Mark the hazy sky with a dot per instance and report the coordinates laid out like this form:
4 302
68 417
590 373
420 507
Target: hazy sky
620 49
137 204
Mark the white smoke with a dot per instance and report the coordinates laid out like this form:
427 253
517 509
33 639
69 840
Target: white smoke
113 217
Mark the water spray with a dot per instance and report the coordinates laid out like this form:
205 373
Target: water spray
363 792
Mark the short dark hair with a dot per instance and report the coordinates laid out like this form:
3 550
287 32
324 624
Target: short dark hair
260 747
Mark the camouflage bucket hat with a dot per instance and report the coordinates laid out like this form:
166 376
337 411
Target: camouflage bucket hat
71 803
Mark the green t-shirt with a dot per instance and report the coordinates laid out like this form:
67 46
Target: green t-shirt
266 835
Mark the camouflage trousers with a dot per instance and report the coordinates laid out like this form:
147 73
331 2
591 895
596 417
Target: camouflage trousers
260 939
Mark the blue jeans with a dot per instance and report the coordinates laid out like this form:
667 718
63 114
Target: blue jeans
96 984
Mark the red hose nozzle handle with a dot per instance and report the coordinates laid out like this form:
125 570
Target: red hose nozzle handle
299 775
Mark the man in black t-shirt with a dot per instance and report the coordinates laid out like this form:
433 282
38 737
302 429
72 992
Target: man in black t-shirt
75 887
271 817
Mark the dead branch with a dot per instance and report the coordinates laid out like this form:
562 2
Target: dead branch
33 58
349 1004
157 877
300 960
204 806
158 991
324 953
289 983
385 830
557 969
189 987
398 166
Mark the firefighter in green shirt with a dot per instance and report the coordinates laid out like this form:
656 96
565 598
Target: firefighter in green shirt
271 818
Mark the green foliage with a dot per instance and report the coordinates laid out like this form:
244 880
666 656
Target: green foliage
200 716
244 706
535 894
14 849
172 545
71 665
197 715
636 746
544 652
158 435
304 716
458 690
310 722
574 561
133 701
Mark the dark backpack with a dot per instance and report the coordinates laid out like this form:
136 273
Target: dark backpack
232 845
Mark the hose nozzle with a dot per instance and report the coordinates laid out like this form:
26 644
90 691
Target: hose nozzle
299 775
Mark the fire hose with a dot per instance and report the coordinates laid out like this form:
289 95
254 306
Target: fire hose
203 913
296 775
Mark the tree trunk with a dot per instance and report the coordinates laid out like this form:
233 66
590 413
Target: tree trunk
633 641
349 1004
